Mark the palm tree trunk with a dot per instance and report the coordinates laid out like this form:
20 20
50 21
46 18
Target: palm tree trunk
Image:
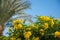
1 29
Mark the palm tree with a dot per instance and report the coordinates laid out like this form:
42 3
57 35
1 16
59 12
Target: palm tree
10 7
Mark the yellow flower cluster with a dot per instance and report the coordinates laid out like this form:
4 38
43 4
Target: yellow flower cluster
45 26
17 21
27 34
57 34
42 32
52 22
44 18
41 29
17 24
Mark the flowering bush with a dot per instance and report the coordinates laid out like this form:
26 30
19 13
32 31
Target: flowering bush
44 28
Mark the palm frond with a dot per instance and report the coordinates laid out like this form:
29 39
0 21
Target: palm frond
9 7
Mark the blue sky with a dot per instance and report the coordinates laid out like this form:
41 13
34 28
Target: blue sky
44 7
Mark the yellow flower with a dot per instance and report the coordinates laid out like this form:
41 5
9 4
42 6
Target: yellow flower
42 32
28 28
57 34
19 26
19 20
14 22
35 38
27 35
44 18
12 38
15 27
52 22
45 26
